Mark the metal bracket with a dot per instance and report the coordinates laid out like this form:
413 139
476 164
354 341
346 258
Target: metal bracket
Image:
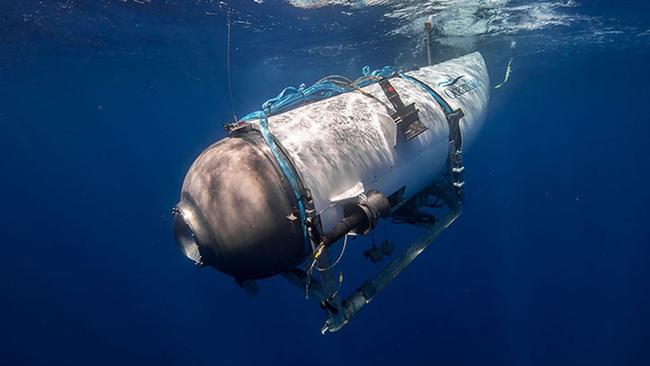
406 117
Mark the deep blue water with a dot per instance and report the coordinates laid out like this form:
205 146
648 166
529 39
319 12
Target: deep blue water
104 105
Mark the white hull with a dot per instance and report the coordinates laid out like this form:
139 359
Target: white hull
345 145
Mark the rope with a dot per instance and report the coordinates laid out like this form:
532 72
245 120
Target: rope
363 92
326 87
232 103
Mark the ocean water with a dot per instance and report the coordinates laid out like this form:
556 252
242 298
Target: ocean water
105 104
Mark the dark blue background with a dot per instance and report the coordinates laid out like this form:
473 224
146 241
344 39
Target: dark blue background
549 263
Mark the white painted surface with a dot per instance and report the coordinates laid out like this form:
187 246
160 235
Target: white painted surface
347 140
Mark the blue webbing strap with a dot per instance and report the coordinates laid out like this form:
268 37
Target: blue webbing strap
285 167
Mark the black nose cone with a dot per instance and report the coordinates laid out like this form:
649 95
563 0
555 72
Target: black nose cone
235 212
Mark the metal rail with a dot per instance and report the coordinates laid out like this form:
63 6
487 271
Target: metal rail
370 289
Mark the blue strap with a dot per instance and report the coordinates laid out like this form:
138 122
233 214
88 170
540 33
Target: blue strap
285 167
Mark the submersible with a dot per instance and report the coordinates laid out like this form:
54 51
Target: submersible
317 164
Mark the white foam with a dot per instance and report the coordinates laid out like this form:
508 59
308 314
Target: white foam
461 18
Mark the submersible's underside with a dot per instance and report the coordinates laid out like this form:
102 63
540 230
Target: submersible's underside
289 181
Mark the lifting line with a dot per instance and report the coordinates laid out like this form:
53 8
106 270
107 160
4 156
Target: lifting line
232 103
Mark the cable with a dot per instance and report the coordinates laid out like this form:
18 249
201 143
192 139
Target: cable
232 103
356 88
317 253
319 250
345 244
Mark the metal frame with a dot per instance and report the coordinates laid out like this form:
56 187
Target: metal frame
370 289
340 312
